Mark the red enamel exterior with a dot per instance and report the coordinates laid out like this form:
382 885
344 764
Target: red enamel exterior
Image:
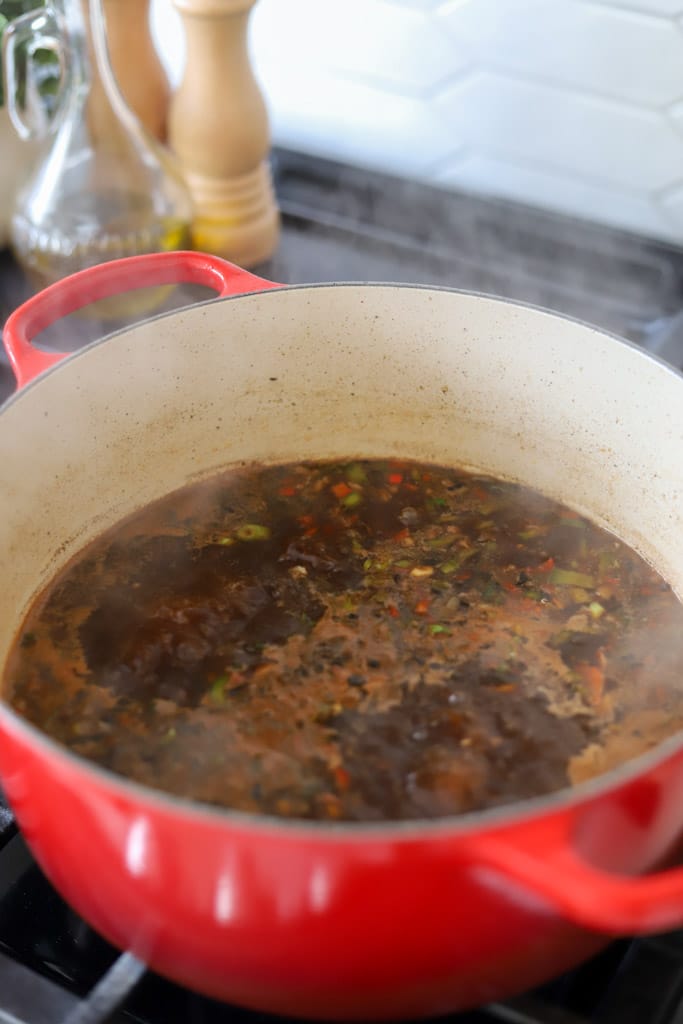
342 922
345 924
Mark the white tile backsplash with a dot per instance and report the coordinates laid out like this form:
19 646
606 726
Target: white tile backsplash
574 105
585 46
599 140
670 7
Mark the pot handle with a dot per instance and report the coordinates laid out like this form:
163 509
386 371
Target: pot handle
589 896
105 281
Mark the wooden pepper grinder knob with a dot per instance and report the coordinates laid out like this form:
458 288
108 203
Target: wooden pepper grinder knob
218 129
136 64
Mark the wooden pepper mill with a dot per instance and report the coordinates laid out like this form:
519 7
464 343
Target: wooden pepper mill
136 64
218 129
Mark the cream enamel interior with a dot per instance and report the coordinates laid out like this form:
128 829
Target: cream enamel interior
330 371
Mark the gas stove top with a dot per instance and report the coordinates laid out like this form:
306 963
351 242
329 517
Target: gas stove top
341 223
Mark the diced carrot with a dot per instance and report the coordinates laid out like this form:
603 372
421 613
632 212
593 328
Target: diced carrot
548 565
287 491
341 489
393 611
402 534
342 778
422 607
330 805
594 678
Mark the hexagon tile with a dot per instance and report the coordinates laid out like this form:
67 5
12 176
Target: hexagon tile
574 105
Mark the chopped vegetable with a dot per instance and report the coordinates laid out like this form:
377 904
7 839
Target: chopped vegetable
594 678
253 531
217 691
571 578
356 473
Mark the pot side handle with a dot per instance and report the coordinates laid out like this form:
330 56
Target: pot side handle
589 896
105 281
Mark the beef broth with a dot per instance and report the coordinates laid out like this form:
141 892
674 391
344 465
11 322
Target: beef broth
367 640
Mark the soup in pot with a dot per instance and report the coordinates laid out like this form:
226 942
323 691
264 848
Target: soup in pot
363 640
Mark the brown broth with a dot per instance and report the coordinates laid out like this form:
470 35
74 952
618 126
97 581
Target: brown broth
366 640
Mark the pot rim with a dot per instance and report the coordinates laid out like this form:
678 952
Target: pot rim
455 826
276 290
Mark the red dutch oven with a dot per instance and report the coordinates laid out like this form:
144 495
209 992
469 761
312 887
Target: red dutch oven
320 920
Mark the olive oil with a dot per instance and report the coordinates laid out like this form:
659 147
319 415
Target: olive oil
48 255
104 188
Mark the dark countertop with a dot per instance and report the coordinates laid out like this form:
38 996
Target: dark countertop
344 223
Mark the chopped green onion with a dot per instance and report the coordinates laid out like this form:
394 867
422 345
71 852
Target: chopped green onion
217 691
253 531
449 567
596 609
352 499
437 628
533 531
444 541
356 474
570 578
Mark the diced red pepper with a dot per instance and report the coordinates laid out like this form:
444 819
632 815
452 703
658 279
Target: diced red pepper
341 489
547 566
287 491
422 607
395 478
393 611
342 778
